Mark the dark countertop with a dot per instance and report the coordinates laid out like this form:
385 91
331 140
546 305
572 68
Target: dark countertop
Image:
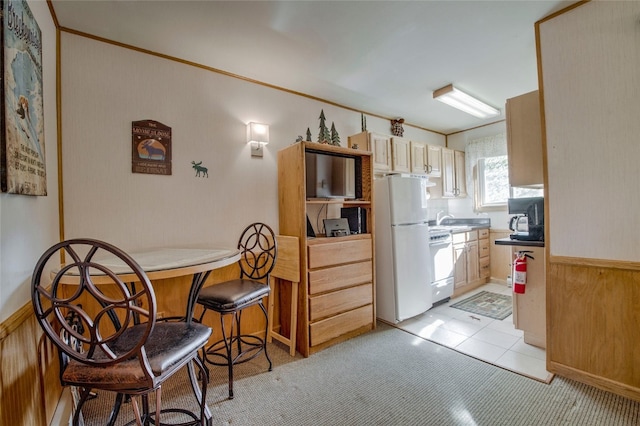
457 225
510 242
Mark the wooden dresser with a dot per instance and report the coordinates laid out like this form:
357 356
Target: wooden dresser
337 278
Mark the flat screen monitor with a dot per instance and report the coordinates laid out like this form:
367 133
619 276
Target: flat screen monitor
330 176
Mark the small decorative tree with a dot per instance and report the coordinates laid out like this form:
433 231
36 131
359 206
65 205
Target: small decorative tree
308 135
323 136
335 138
363 122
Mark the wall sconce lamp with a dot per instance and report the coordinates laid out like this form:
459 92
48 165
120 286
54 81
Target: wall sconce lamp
467 103
258 137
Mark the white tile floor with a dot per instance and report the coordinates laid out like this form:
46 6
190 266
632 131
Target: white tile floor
495 341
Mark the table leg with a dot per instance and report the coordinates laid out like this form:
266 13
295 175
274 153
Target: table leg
196 285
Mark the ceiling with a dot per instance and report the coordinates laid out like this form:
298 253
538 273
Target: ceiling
384 58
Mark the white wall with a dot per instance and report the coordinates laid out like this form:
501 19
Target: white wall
106 87
464 207
29 225
592 135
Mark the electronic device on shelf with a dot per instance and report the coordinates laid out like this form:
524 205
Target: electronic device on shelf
336 227
357 218
528 224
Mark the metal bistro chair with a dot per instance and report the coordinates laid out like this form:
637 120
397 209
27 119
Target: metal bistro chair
114 342
258 250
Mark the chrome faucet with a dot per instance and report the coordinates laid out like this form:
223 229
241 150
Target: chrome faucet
439 218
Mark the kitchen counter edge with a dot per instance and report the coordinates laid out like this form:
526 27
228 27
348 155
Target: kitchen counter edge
510 242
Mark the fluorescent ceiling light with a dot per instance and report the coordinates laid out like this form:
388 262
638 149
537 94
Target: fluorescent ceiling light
460 100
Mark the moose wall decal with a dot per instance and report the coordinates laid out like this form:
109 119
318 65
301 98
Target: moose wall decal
199 169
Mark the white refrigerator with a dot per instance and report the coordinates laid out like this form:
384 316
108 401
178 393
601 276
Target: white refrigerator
402 248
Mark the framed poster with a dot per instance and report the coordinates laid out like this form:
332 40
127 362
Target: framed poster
150 148
22 156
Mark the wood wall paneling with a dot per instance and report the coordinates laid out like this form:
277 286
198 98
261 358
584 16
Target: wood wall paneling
21 376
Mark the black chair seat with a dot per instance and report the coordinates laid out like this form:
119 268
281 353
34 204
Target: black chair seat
167 348
232 295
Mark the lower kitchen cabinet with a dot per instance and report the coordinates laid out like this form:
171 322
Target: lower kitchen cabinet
472 266
484 250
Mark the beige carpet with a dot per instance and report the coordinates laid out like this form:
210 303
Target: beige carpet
389 377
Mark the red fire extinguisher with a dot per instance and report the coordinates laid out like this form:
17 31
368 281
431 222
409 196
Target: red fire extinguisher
520 271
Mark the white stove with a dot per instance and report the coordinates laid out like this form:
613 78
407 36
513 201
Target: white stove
441 249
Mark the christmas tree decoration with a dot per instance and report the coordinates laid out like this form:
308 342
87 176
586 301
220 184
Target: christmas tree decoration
309 135
324 136
335 138
363 122
396 127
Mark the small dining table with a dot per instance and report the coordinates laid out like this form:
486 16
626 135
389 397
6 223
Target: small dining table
164 263
159 264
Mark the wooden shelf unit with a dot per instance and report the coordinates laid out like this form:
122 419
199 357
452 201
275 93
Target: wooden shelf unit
337 274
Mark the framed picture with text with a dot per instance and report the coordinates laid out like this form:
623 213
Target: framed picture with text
22 153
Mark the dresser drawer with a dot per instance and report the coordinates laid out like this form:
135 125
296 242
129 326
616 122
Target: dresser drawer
335 253
332 327
329 279
336 302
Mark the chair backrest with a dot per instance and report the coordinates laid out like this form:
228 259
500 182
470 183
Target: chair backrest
85 320
258 251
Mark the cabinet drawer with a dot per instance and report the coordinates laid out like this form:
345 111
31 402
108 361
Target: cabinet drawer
459 237
462 237
483 233
485 267
329 279
336 302
483 248
332 327
336 253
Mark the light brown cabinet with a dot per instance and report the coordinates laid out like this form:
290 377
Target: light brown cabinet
419 157
454 181
472 261
401 155
426 159
524 140
379 145
434 160
484 254
337 292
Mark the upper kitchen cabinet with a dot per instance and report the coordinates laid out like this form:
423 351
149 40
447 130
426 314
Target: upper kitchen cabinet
434 160
426 159
524 140
418 157
453 174
401 155
379 145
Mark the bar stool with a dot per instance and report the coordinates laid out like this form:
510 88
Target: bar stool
258 251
